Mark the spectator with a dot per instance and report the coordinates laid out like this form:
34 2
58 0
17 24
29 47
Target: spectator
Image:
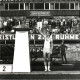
5 23
49 22
62 29
58 24
34 23
1 23
39 24
70 25
53 24
30 24
62 51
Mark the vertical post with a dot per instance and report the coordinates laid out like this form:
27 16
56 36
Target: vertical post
49 6
69 6
24 7
74 6
29 6
44 6
8 6
33 6
78 6
59 5
19 6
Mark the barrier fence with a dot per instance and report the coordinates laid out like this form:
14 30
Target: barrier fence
36 45
40 37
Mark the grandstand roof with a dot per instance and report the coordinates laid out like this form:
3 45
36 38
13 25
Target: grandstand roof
39 0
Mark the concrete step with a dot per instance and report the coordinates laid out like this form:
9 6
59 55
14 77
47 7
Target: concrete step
41 75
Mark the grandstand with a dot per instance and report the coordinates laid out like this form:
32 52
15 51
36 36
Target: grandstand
61 17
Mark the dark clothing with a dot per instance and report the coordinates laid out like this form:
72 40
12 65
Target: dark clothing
30 24
53 24
34 23
69 24
63 47
64 23
58 23
63 53
49 22
62 29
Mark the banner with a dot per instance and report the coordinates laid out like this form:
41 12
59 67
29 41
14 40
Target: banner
7 36
40 13
40 37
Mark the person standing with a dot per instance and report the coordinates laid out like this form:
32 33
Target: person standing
62 51
47 49
39 24
5 23
30 24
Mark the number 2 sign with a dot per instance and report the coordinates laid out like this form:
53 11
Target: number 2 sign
5 68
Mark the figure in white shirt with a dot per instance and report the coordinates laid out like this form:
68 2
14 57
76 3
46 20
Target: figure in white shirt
39 25
5 23
47 49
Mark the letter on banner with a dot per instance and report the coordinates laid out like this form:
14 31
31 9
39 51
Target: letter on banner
21 62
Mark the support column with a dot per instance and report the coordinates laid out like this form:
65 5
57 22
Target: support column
44 6
19 6
24 6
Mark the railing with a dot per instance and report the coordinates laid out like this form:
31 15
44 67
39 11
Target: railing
36 45
40 37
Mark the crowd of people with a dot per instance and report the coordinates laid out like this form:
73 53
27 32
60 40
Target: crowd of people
64 26
55 25
39 26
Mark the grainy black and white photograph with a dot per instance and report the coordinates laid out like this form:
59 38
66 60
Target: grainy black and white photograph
39 39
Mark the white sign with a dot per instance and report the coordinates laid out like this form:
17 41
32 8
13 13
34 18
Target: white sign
5 68
67 37
40 37
40 13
